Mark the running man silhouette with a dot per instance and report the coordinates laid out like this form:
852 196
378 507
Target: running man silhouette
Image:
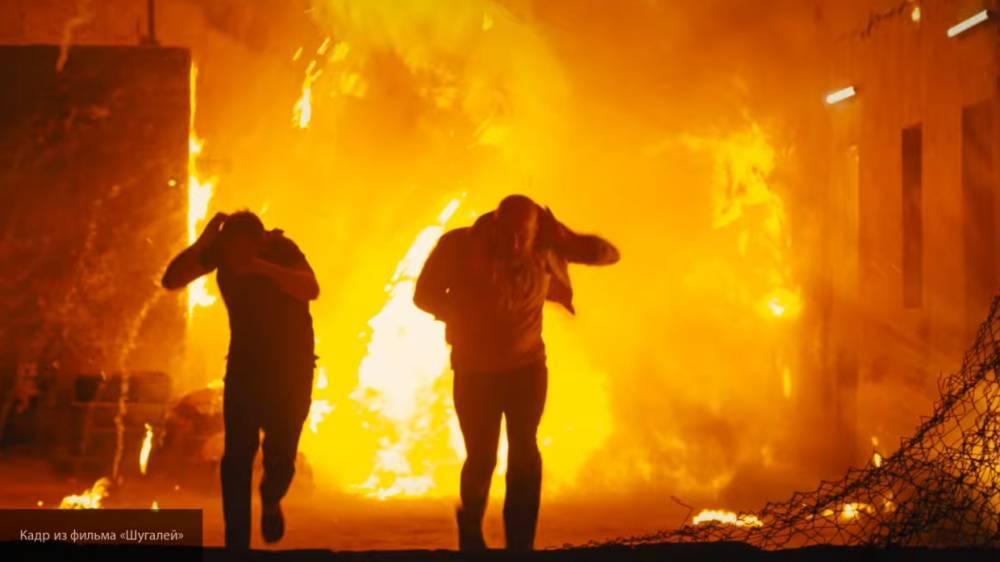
488 283
266 284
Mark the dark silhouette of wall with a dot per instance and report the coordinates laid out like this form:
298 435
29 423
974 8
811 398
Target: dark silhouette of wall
93 168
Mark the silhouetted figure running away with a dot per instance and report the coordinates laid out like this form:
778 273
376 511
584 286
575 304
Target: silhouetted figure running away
266 284
488 283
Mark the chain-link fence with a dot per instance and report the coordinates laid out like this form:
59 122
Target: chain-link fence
940 489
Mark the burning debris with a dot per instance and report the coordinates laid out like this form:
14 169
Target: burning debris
303 106
147 447
726 518
90 498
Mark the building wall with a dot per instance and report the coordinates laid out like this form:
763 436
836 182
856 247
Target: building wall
93 167
909 73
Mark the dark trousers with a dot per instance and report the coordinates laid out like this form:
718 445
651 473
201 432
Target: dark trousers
251 404
481 399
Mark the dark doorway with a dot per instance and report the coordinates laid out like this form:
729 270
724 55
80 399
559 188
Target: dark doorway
913 230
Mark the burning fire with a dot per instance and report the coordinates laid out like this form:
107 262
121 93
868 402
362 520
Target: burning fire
302 111
88 499
320 407
401 399
783 302
147 447
745 202
398 379
345 79
853 510
727 518
876 455
400 416
743 198
199 194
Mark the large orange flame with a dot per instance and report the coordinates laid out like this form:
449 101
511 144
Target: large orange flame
200 191
398 380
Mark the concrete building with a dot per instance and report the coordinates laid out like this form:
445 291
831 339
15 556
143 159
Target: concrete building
911 229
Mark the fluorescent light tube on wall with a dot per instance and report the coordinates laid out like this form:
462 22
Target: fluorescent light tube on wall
966 24
840 95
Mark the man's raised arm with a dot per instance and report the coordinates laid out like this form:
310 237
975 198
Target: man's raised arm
190 263
587 249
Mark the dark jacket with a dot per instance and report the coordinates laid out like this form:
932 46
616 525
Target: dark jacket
566 247
485 335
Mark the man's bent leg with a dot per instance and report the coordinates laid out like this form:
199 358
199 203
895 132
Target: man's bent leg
281 444
282 429
524 404
479 415
241 441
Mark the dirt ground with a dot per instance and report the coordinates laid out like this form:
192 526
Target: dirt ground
328 527
318 519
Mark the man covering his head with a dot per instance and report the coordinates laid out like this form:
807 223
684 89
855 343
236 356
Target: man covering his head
488 284
267 285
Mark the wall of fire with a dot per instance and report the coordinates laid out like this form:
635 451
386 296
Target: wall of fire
913 200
